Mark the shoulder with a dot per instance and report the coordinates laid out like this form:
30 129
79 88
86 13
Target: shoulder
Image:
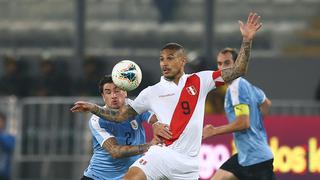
94 118
244 82
234 86
96 122
149 89
204 73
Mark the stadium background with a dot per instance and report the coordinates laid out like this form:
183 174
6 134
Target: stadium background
78 41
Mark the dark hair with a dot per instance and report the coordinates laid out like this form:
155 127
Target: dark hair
104 80
173 46
233 52
3 117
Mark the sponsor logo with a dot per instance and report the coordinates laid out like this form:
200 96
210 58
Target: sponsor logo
166 95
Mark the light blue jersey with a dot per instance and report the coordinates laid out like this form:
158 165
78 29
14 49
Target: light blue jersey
252 143
130 132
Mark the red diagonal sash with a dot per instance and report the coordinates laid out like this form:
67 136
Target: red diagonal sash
185 107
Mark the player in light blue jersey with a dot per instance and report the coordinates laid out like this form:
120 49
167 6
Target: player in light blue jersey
245 105
116 145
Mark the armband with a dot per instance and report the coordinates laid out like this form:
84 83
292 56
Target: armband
241 109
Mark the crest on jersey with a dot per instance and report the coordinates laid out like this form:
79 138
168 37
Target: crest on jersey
143 162
191 90
134 124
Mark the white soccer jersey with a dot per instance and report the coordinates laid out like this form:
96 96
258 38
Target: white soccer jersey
181 106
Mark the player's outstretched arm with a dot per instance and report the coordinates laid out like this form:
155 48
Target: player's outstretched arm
248 31
121 151
111 115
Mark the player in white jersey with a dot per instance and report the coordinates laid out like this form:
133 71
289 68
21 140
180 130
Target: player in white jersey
177 100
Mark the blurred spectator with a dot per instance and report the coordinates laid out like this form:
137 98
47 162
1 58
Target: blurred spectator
6 149
12 82
86 85
318 92
50 82
166 9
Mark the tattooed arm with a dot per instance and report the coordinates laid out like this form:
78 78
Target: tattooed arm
121 151
248 32
105 113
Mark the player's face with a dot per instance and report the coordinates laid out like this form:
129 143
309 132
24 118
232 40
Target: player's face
113 96
225 60
172 63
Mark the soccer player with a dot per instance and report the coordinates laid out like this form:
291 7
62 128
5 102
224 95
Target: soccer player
177 100
245 106
116 145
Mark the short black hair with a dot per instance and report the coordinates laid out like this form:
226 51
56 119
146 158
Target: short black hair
232 51
173 46
104 80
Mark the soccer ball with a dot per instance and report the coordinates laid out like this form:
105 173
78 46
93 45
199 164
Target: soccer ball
126 75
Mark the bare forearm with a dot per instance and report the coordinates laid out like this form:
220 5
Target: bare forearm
113 115
241 63
241 123
119 151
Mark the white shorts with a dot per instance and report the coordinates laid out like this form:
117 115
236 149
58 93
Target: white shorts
164 163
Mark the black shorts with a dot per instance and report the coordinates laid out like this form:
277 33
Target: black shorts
85 178
260 171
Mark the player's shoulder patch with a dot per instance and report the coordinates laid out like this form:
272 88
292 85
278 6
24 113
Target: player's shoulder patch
134 124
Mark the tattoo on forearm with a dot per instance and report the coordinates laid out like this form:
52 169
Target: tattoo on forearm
114 115
119 151
241 63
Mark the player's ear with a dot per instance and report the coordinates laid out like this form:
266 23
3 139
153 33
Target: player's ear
104 100
184 59
125 93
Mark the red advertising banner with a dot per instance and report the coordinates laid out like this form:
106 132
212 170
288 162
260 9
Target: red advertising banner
294 141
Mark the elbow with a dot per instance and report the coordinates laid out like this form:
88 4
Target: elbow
269 102
243 123
115 152
115 155
246 125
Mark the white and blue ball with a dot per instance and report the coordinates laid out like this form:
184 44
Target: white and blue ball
126 75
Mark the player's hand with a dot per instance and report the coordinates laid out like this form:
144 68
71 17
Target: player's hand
155 141
82 106
161 130
249 29
208 131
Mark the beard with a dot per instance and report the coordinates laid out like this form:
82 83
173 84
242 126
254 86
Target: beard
169 78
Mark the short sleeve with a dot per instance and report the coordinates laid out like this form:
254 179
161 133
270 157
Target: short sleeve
97 131
239 93
145 116
210 79
260 95
141 103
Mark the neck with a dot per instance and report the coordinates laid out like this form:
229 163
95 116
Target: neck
177 77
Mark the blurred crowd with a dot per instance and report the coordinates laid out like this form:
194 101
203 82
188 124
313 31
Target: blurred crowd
49 78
